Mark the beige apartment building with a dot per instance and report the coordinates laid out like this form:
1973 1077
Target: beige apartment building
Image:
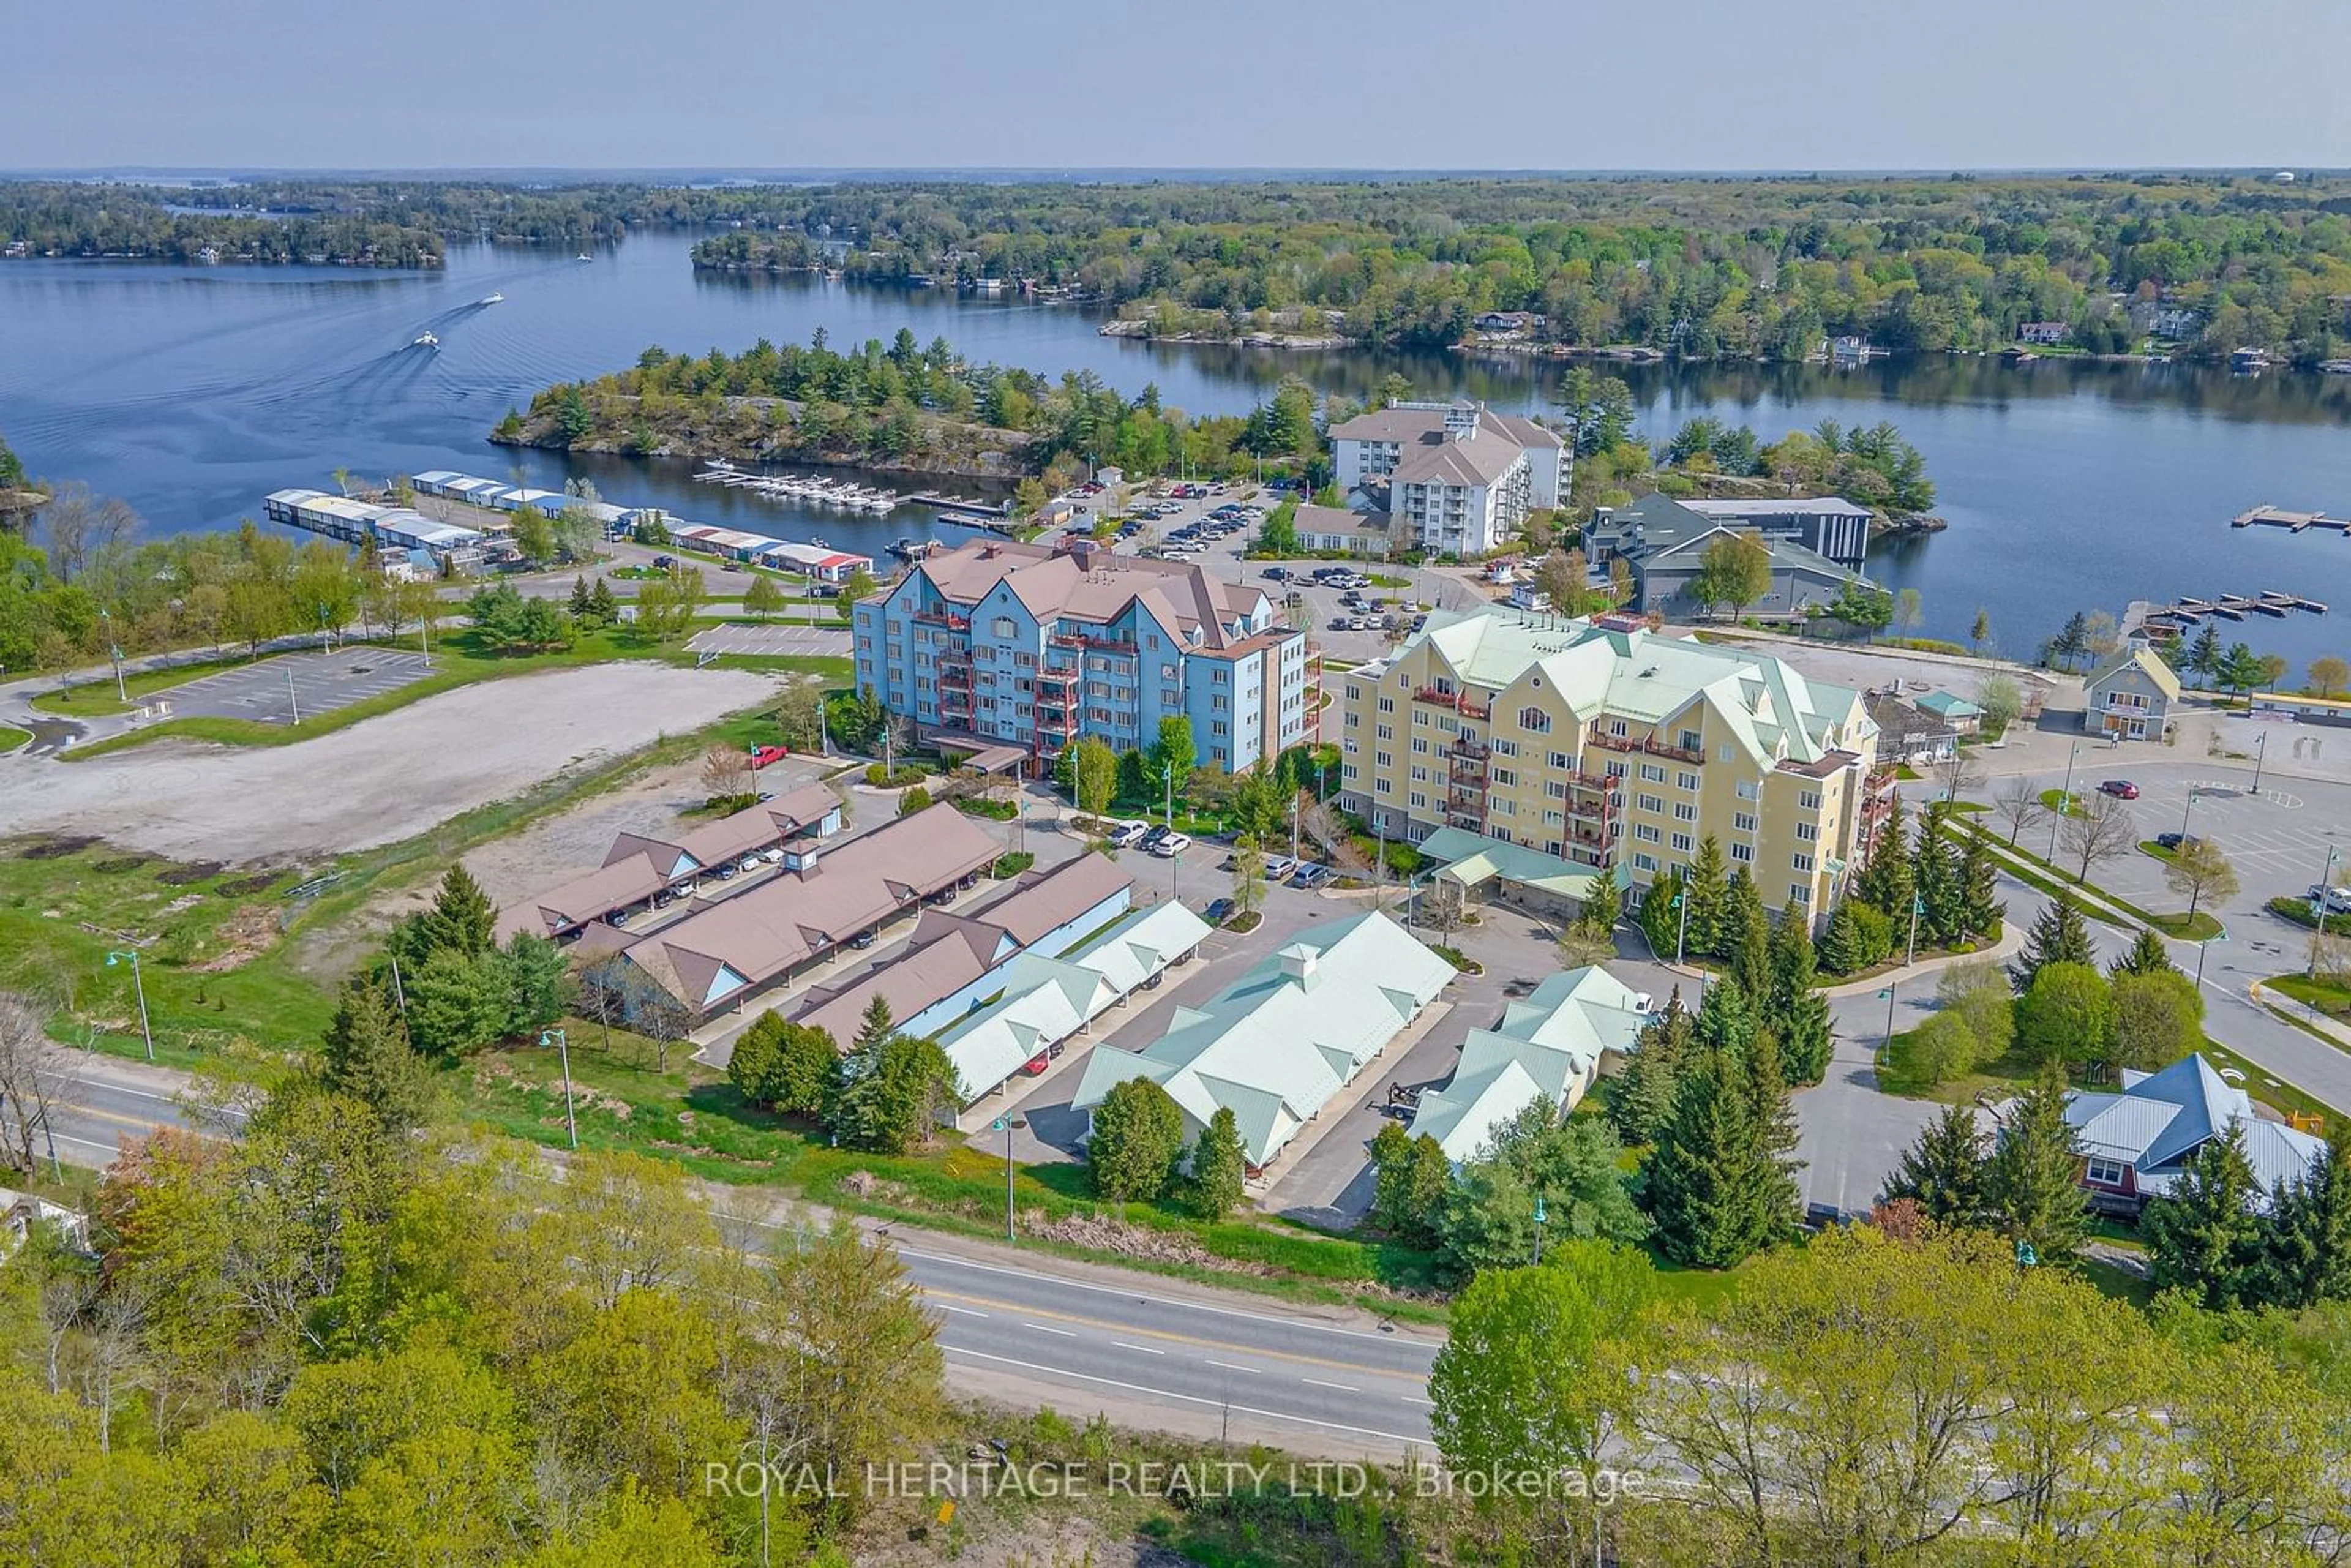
1588 746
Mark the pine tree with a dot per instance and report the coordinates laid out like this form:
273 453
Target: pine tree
1641 1097
1943 1172
1795 1011
1980 910
2202 1235
1746 936
1660 917
1720 1184
2204 658
2059 935
1935 876
2309 1240
367 1056
583 603
1706 887
2148 955
1839 952
1885 882
602 606
874 1025
1219 1166
461 920
2032 1186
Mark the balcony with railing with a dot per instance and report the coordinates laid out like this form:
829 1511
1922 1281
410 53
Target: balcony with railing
1466 748
1058 675
1461 702
946 618
1056 720
1648 746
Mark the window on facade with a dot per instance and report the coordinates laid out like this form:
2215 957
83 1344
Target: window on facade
1682 845
1686 780
1800 892
1354 720
1420 744
1505 808
1652 774
1801 862
1807 831
2105 1172
1420 717
1388 704
1555 788
1743 821
1645 862
1385 731
1691 741
1384 758
1743 853
1534 721
1649 832
1420 773
1503 776
1685 811
1559 760
1653 802
1419 801
1810 799
1616 728
1001 626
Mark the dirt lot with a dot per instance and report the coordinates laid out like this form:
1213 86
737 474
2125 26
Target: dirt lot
376 783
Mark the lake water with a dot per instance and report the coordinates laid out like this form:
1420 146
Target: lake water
193 392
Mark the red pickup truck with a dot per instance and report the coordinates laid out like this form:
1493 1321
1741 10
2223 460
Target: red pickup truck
763 755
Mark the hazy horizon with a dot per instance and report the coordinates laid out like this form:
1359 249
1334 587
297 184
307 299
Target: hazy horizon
1517 87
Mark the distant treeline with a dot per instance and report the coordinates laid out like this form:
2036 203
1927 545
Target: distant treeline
1705 269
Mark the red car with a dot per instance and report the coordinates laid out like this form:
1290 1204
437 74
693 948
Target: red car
763 755
2120 788
1035 1066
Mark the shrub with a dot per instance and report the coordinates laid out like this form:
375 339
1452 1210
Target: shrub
1012 864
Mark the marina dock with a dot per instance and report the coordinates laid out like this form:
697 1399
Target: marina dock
2267 517
2187 612
813 491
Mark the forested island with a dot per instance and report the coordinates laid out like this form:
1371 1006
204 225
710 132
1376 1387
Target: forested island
1755 268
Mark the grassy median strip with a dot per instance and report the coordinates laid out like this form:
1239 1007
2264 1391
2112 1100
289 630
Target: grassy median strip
2035 872
11 738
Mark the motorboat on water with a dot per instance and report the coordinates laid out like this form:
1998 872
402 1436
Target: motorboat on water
425 340
495 299
585 257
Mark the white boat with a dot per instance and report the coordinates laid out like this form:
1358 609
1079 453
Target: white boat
495 299
585 257
425 340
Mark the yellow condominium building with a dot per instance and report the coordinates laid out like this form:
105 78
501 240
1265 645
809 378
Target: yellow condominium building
1591 746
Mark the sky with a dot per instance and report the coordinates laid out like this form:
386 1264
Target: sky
1690 85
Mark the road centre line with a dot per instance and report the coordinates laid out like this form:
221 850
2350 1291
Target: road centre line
1042 1328
1170 1335
1146 1349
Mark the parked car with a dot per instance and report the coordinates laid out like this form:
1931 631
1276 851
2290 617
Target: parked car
1219 910
825 590
2176 841
944 895
1310 876
2120 788
773 855
763 755
664 562
1279 867
748 863
1153 834
616 917
1035 1066
1277 573
1127 835
1171 846
2337 899
863 940
663 899
724 870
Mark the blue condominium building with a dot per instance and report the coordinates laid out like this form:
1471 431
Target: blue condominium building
1003 644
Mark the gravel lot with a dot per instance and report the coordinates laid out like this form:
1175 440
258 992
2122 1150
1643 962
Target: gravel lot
376 782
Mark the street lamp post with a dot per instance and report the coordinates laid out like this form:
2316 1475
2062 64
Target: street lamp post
1889 1016
2325 897
138 985
2184 815
1540 1216
2261 755
1007 1125
2064 800
114 652
2200 946
563 1050
1911 957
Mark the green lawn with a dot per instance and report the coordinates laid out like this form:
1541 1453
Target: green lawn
98 696
2059 801
2013 1073
2329 997
11 738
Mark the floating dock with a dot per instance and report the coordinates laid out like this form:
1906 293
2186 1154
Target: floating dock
814 492
2228 607
2266 516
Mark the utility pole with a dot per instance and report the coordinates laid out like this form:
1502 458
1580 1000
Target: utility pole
293 701
1007 1124
1911 957
138 984
563 1050
2064 800
2261 755
2325 897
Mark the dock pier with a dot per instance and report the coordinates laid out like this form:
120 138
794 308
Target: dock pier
2187 612
2269 517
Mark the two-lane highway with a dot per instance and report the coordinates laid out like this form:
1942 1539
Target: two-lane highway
1327 1387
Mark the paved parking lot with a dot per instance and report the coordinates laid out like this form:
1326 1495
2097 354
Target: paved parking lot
2277 840
770 641
278 690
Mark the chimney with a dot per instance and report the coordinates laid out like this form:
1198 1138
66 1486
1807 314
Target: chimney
990 550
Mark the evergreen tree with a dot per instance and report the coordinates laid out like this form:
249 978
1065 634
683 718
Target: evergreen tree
2203 659
461 920
1719 1185
603 608
1602 909
367 1057
2031 1187
1980 910
1935 878
1795 1011
583 603
1137 1138
1219 1166
1410 1177
1706 887
874 1025
1943 1172
2148 955
1661 913
2309 1239
1839 952
1885 882
1747 938
2059 935
1641 1097
2203 1236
